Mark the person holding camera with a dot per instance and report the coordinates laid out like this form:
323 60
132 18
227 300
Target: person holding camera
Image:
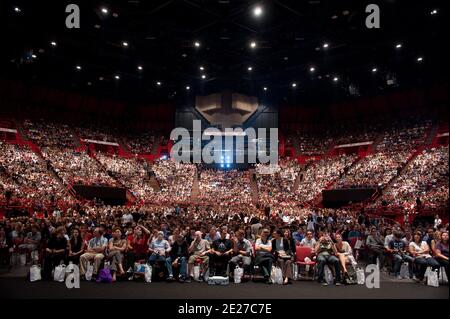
326 255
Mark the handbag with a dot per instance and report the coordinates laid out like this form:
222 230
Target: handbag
443 280
358 244
35 273
59 273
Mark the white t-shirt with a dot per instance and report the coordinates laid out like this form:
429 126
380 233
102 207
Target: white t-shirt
417 248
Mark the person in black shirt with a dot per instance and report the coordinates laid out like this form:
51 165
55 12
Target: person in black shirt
55 252
179 255
76 246
221 253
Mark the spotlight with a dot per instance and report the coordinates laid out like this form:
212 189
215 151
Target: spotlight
335 79
257 11
253 44
203 76
101 78
105 11
125 44
249 68
419 59
140 68
398 46
158 83
188 88
312 69
197 44
433 12
34 56
294 85
325 45
374 70
201 68
53 44
117 77
228 165
17 9
78 67
265 88
221 165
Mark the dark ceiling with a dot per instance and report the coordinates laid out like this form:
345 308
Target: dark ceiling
289 38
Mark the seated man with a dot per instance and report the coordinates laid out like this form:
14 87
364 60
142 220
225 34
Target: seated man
242 252
397 248
221 252
159 250
326 254
31 241
199 249
309 240
95 251
375 245
179 255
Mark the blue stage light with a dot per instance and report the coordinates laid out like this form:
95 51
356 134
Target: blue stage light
228 165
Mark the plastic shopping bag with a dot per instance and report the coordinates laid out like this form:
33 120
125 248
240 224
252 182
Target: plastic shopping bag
433 279
328 275
148 273
60 273
360 276
404 271
196 273
35 273
89 272
238 273
276 275
443 280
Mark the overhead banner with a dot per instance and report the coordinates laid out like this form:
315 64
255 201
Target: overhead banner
101 142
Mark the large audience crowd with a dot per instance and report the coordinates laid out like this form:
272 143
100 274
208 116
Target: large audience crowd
223 227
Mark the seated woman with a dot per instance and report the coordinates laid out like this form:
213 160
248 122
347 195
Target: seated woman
55 252
116 248
137 246
76 246
441 251
422 259
344 253
264 257
283 256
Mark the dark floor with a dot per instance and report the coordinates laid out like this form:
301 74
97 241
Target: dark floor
18 288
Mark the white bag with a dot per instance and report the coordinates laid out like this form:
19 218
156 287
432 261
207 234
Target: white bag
148 273
35 273
276 275
328 275
89 272
238 273
23 259
433 279
60 273
358 244
427 272
360 276
196 273
295 271
443 280
404 270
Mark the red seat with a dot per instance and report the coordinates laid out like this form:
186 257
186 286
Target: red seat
301 253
